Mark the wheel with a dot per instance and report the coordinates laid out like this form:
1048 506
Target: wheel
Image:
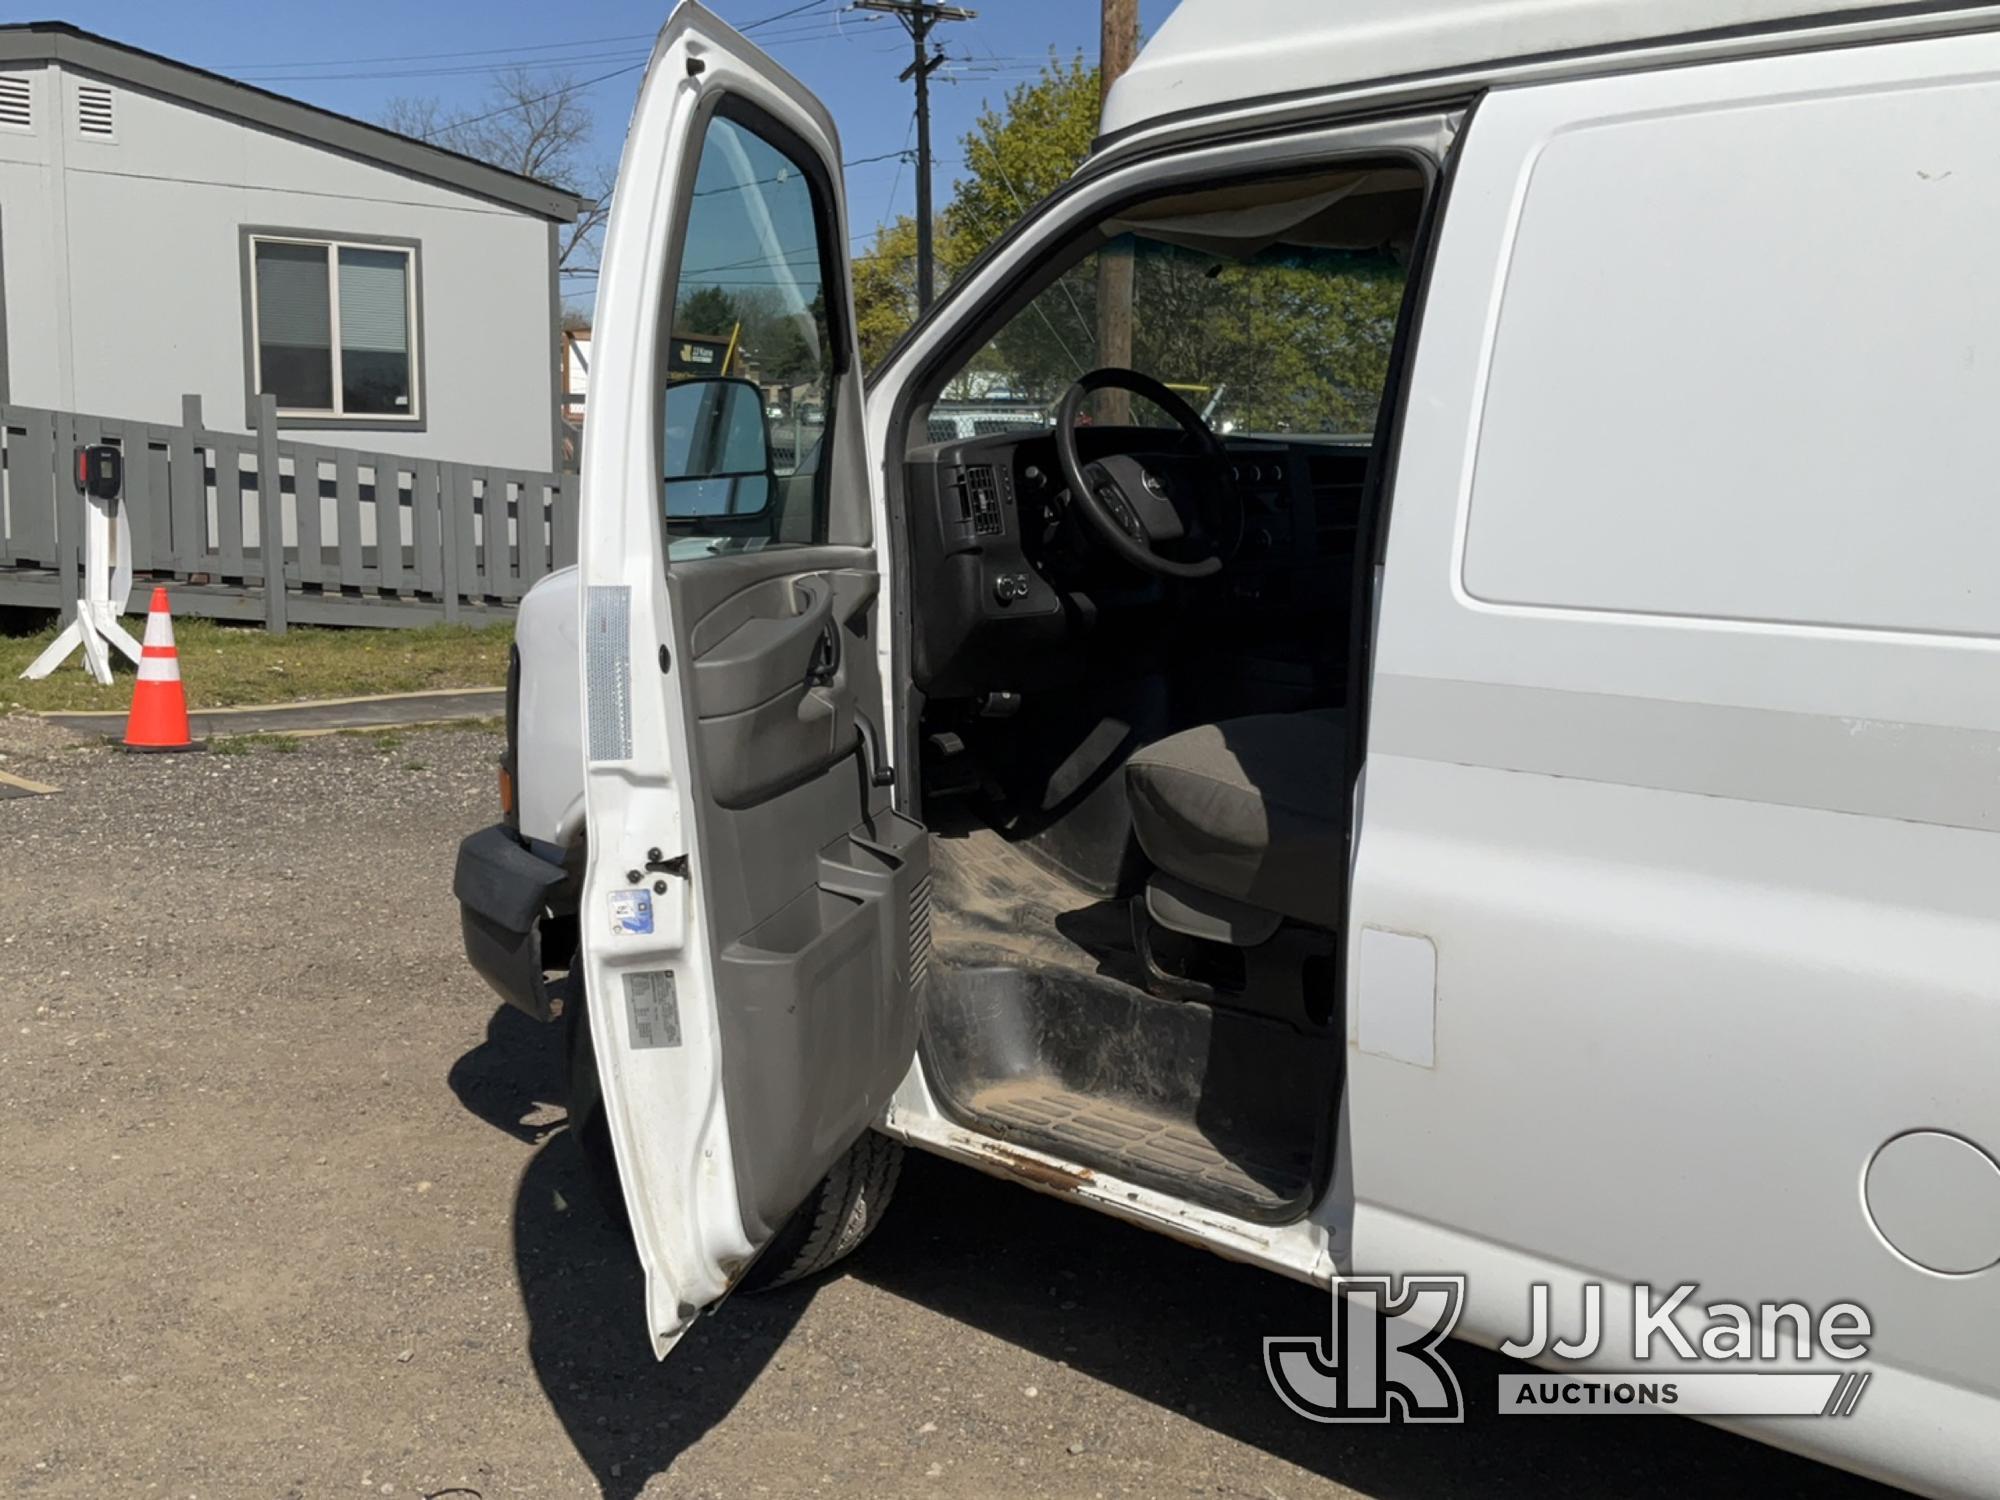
841 1212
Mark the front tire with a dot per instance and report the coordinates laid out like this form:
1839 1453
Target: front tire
842 1210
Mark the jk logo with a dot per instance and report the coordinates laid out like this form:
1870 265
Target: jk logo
1381 1363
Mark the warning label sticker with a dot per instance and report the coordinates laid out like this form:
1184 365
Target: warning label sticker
654 1013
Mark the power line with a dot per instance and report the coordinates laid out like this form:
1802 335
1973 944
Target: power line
895 182
1020 207
489 68
522 50
918 17
343 62
738 187
509 108
515 62
809 5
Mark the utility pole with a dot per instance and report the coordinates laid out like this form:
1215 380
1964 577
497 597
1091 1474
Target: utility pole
918 17
1118 43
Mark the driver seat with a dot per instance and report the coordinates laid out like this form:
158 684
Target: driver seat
1249 810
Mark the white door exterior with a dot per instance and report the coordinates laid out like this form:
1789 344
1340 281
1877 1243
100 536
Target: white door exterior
747 911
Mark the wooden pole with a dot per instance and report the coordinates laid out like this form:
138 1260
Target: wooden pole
1119 41
920 29
918 18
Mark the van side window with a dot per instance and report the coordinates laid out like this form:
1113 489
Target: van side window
750 357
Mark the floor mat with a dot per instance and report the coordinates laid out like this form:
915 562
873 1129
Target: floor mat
987 896
1038 1029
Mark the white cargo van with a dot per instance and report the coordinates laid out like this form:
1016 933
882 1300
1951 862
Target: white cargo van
1525 804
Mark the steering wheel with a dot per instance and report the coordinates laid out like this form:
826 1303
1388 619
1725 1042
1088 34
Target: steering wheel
1135 504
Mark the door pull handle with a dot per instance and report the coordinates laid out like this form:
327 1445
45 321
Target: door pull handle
825 663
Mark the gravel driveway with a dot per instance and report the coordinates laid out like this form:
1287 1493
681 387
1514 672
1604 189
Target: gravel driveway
288 1211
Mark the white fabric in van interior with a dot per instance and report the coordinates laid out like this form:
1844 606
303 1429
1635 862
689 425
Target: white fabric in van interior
1239 230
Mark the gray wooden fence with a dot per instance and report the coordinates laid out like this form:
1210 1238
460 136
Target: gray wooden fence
251 526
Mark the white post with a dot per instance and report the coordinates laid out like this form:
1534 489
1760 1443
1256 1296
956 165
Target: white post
106 586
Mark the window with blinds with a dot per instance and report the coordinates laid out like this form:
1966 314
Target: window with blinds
335 327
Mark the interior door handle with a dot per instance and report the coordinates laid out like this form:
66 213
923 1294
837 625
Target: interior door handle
825 663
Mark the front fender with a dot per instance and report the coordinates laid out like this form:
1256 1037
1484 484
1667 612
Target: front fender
548 774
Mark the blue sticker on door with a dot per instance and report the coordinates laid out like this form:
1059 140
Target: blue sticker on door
631 913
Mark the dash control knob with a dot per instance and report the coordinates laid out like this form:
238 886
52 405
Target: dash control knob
1007 587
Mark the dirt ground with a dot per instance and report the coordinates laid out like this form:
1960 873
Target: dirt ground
287 1210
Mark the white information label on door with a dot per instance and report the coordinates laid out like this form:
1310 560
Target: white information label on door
652 1009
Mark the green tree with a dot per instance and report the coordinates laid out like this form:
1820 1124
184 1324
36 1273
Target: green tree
885 289
1016 156
1295 340
1020 153
787 351
706 310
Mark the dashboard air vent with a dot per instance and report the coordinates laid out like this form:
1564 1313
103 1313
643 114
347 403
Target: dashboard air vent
979 499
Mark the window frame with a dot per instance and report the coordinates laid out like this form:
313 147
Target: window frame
250 236
834 267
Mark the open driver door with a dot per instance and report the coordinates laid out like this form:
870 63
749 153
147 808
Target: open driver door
755 910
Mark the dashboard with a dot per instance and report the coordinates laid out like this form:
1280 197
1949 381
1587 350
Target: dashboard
1010 588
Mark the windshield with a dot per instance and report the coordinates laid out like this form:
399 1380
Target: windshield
1290 340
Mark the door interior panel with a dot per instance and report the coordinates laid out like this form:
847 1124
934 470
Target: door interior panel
779 668
816 890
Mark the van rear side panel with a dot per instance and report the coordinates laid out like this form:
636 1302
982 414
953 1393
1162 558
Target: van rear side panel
1685 734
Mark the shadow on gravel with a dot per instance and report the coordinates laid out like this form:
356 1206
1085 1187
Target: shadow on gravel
1172 1325
628 1415
1184 1330
513 1073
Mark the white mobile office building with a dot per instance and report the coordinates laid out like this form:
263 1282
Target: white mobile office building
166 231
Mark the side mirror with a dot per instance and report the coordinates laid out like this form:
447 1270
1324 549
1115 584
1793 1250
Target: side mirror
718 449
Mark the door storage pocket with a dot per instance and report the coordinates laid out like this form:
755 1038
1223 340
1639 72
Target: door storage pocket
815 1004
887 863
800 1004
796 930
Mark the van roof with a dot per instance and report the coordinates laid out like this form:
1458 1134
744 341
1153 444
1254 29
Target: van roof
1214 53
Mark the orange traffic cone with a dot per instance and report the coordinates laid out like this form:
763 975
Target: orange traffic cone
159 717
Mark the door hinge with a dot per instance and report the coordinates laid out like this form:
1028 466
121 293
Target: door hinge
655 865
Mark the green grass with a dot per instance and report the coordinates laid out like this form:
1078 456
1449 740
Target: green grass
224 665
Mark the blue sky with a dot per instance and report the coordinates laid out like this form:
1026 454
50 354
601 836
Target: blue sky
355 55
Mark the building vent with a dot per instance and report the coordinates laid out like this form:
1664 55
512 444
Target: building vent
93 111
17 102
